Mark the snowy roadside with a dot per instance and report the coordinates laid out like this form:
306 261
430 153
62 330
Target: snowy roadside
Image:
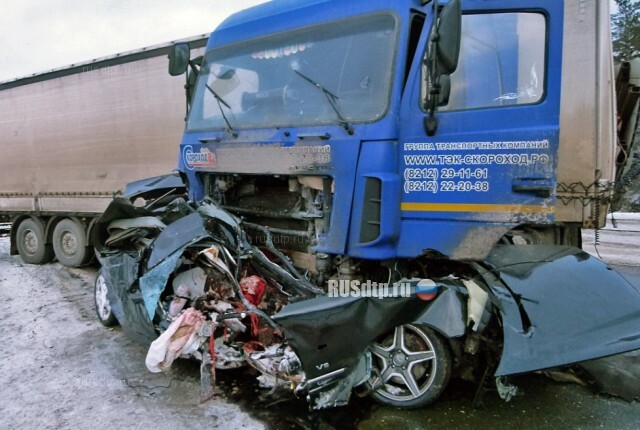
62 369
618 242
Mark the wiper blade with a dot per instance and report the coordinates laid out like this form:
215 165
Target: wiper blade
331 98
221 102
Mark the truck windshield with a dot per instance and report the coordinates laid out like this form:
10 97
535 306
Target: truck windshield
333 73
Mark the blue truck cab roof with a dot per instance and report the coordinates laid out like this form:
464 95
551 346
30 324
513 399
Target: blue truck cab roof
283 15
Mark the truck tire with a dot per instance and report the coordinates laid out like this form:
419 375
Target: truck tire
69 240
101 302
414 363
30 241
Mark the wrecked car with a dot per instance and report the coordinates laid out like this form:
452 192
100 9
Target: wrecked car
193 280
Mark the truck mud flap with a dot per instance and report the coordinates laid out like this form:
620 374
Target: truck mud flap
560 306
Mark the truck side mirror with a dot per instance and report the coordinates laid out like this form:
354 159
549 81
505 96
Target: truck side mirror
192 77
448 34
445 90
179 56
441 58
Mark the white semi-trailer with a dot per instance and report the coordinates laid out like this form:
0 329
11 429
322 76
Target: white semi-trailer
70 138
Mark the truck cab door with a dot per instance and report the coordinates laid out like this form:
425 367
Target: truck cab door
490 164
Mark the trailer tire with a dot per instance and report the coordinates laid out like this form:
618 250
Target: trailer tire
69 240
31 243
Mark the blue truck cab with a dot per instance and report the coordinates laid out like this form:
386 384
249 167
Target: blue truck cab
310 117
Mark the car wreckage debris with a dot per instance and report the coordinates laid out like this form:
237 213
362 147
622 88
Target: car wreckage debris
213 301
185 278
180 338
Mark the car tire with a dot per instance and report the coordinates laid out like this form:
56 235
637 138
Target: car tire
101 302
69 240
31 243
414 363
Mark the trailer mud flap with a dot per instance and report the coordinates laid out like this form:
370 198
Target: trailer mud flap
560 306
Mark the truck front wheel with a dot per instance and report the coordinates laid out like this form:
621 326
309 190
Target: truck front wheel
30 242
69 241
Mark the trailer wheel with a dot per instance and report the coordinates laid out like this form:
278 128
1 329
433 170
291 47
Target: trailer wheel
414 364
69 241
30 241
101 301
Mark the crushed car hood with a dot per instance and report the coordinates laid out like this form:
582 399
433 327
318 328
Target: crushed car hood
560 306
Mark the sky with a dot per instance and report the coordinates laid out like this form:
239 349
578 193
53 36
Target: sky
40 35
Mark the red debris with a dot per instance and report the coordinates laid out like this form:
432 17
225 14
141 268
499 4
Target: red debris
253 288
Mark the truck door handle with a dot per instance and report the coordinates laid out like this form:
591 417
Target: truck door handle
540 187
320 136
209 139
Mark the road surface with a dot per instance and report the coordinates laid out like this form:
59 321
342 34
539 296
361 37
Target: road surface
62 369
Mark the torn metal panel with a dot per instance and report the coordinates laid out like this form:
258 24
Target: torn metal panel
335 389
140 222
277 363
159 183
153 283
213 211
270 270
320 330
176 236
119 208
447 313
122 237
561 306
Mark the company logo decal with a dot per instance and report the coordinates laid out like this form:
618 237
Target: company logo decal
204 158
